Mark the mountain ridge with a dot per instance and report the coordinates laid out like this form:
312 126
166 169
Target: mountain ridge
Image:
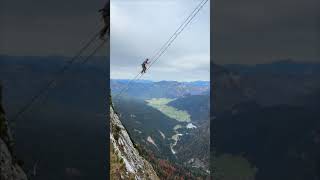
125 153
9 168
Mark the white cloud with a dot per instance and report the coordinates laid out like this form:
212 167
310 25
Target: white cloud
141 27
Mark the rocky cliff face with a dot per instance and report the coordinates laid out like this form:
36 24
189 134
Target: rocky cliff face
126 162
9 169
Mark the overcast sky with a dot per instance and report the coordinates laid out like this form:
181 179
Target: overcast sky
244 31
140 27
47 27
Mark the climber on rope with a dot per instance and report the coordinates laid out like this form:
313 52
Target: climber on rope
144 66
105 13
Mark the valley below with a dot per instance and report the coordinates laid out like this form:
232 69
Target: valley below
161 130
265 123
63 132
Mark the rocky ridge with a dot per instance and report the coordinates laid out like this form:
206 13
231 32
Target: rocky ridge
126 162
9 169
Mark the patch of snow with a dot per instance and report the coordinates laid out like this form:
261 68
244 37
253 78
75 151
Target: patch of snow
163 136
177 127
150 140
191 126
136 130
173 152
175 138
191 160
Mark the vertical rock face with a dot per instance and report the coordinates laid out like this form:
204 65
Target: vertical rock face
9 169
126 162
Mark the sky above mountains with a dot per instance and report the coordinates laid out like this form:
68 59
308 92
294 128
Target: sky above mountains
140 28
254 32
246 32
47 27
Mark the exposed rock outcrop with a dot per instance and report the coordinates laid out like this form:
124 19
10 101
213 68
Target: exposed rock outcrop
9 169
126 162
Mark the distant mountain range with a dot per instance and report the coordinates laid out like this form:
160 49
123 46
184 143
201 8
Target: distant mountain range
145 89
64 131
267 84
266 115
265 118
285 66
256 112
